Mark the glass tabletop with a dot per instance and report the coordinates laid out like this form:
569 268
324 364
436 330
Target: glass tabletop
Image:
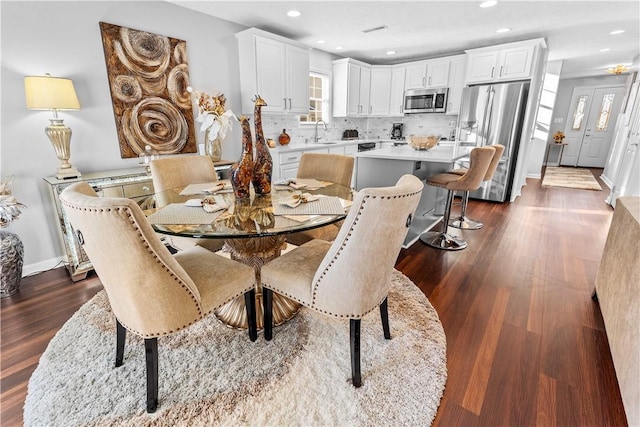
260 215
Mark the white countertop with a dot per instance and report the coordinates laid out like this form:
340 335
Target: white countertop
327 144
438 154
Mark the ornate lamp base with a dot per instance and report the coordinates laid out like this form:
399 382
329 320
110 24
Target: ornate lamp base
256 252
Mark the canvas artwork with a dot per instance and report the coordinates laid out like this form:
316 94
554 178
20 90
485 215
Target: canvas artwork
148 77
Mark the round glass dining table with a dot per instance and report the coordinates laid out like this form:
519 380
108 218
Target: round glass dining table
254 229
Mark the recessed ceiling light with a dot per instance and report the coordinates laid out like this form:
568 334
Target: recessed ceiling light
613 33
606 49
488 3
339 47
293 13
503 30
320 42
391 52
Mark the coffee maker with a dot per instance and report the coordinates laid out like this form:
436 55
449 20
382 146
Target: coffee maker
396 131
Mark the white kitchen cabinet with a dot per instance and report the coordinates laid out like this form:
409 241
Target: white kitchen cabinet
380 92
512 61
396 97
457 69
433 73
275 68
351 86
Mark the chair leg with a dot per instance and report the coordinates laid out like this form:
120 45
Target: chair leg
441 239
151 353
121 335
384 315
354 327
250 304
462 221
267 304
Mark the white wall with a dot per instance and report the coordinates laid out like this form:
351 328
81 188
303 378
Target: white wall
63 39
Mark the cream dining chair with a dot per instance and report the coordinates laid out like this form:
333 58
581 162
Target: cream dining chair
335 168
180 171
151 292
351 276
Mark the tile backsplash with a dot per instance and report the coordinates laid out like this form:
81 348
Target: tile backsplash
369 128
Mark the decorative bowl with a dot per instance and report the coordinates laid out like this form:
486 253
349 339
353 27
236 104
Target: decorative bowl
423 142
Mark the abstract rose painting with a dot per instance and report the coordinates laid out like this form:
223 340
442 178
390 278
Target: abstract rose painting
148 77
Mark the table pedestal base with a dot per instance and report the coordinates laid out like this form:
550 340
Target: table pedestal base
256 252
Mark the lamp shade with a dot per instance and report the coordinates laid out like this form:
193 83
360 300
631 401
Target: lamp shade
50 93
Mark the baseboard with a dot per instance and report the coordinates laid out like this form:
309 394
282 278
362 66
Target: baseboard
42 266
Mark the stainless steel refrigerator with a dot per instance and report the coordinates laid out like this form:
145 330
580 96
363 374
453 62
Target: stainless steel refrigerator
494 114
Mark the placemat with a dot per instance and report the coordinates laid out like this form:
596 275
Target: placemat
203 188
178 213
322 206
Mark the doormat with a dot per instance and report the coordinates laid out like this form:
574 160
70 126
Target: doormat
582 179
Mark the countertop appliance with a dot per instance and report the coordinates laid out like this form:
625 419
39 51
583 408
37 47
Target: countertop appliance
397 131
494 114
425 100
366 146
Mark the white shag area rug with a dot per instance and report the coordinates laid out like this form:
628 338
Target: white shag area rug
213 375
582 179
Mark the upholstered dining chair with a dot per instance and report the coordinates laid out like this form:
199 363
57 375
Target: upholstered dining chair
179 171
479 160
336 168
462 221
151 292
351 276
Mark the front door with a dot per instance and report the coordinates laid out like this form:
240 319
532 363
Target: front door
590 125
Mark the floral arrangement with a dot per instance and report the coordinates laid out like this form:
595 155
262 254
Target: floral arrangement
558 137
213 116
9 205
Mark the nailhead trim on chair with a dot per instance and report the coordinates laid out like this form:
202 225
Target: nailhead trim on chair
353 225
175 277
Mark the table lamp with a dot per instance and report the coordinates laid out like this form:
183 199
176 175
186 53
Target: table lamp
55 94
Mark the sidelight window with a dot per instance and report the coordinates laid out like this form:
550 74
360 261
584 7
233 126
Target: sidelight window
605 112
578 115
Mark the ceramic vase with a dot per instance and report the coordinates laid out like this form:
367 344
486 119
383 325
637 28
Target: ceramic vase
212 148
242 170
11 261
263 164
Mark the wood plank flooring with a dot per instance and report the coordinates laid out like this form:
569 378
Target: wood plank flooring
526 345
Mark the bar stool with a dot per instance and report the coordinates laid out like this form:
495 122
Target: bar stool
462 221
480 158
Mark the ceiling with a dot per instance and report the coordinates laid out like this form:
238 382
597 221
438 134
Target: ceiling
575 31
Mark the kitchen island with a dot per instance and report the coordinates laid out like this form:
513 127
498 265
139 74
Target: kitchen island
383 167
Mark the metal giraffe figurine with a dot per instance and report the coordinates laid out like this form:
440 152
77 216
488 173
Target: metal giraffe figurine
263 165
242 169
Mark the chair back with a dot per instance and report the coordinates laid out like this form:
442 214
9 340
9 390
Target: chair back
494 162
178 171
149 292
479 160
336 168
355 274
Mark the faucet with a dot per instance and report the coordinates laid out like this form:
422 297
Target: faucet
315 133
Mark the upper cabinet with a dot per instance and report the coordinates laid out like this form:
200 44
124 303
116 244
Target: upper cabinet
512 61
457 70
275 68
351 88
431 73
396 100
380 91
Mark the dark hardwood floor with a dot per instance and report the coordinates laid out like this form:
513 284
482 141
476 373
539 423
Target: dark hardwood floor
526 344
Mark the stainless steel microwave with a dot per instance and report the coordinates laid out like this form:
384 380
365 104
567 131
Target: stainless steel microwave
425 100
